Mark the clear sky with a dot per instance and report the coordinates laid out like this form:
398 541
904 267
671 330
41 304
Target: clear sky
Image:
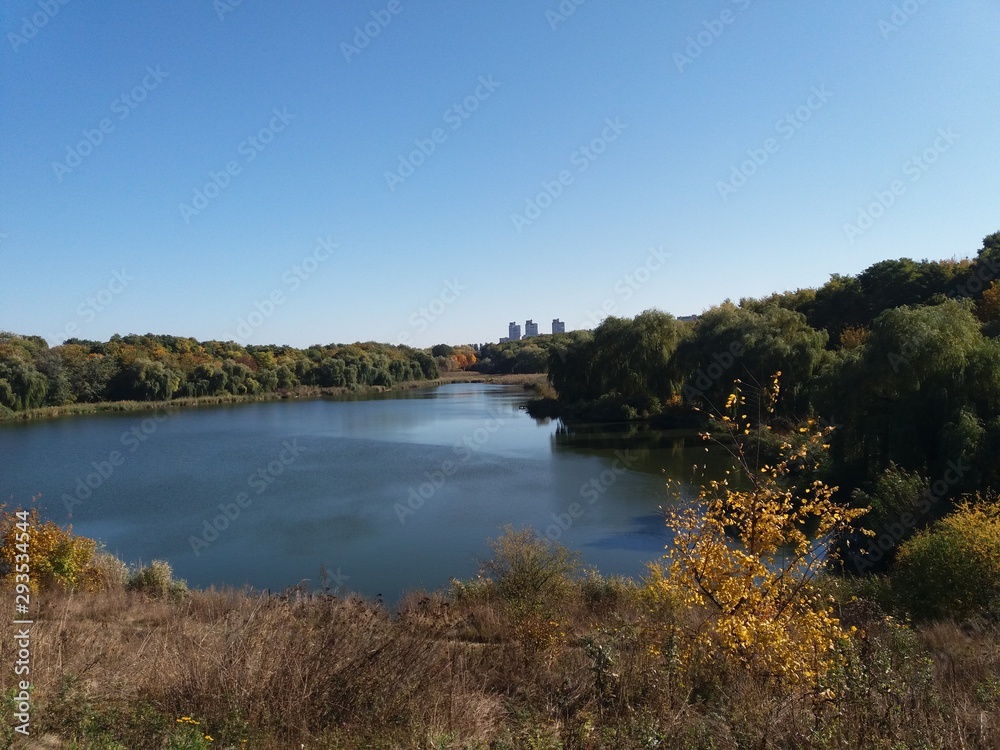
181 167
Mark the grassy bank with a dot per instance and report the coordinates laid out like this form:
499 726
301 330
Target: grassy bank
531 380
482 667
301 392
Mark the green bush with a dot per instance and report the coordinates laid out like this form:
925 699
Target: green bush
894 493
952 570
528 570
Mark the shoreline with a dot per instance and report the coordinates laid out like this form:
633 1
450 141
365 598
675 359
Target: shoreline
302 392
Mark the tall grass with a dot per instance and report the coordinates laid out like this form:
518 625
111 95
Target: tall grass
532 654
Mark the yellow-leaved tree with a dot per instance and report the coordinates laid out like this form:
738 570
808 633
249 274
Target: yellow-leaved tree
50 555
746 552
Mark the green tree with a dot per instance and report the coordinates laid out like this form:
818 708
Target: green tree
624 359
144 380
21 385
732 343
50 364
922 391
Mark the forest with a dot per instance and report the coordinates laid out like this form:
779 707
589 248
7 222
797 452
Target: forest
900 362
160 368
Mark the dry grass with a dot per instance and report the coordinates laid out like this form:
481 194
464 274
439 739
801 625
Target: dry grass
474 670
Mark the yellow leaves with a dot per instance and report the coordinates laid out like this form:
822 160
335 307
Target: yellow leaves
742 557
56 556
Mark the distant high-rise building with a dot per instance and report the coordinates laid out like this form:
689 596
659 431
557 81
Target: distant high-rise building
530 328
558 326
513 331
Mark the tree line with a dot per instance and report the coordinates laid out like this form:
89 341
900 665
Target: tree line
903 360
160 368
529 355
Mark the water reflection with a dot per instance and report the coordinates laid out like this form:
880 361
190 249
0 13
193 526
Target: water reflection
679 454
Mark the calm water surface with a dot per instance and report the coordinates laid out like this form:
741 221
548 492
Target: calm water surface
394 493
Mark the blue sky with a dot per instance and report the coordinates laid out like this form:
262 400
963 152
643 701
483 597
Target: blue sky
734 138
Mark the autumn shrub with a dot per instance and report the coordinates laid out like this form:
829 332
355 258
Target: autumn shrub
852 337
744 556
108 572
56 557
155 579
527 570
952 569
602 594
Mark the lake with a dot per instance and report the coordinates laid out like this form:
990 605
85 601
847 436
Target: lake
388 494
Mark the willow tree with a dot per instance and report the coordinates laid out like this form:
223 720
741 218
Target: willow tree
732 344
625 358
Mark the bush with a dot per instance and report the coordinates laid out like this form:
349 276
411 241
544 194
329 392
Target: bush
527 569
603 594
895 493
106 572
56 558
953 568
746 557
155 579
